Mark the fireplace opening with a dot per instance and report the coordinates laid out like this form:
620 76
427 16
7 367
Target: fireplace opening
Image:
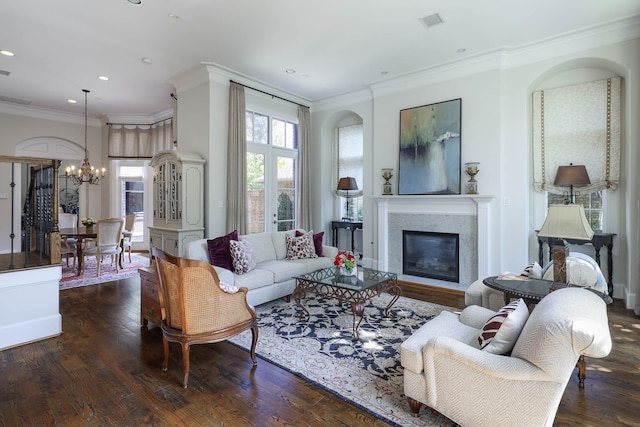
432 255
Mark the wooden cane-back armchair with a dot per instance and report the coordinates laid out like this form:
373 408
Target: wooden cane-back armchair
195 309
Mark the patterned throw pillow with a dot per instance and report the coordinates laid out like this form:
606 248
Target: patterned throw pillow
532 271
317 240
242 256
501 331
301 247
219 252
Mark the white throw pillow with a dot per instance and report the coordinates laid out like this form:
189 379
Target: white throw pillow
532 271
579 272
500 333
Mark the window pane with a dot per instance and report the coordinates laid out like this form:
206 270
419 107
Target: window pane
261 129
291 140
286 202
255 192
591 202
350 163
278 133
249 125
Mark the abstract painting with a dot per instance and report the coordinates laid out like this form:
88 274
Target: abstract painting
430 149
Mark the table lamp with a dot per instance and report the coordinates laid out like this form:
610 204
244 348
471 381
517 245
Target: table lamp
347 184
564 222
570 176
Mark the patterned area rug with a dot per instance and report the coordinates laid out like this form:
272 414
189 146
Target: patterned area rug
107 271
367 372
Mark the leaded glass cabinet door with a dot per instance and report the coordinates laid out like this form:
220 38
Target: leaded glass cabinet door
159 191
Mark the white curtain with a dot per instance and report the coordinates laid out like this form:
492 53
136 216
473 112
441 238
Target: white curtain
140 141
304 158
577 124
237 161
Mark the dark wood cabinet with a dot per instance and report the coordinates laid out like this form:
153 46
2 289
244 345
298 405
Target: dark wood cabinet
149 301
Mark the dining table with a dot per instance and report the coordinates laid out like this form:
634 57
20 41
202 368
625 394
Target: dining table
81 233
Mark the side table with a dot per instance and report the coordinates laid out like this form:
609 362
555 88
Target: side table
598 241
149 301
350 225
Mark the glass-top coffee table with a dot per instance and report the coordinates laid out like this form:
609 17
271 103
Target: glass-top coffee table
356 290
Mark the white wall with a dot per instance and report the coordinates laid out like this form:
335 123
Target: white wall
496 131
17 129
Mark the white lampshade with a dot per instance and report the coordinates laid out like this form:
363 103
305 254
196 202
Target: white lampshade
566 222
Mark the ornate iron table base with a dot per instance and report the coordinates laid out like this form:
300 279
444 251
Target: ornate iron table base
354 291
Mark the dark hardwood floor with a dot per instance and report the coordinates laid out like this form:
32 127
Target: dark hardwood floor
104 370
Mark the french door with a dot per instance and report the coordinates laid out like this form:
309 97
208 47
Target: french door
271 188
132 177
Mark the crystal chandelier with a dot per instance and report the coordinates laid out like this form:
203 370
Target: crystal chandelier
86 172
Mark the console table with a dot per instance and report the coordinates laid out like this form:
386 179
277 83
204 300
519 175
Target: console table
351 225
597 241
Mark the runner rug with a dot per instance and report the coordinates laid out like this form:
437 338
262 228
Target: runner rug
367 372
70 278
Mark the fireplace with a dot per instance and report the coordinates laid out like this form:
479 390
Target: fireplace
431 254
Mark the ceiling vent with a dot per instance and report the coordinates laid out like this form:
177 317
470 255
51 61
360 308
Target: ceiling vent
431 20
4 72
14 100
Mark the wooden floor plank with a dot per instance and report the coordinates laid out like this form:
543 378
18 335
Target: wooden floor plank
106 370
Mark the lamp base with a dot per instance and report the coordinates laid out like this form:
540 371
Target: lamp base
559 254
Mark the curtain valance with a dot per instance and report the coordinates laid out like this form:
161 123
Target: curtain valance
577 124
140 141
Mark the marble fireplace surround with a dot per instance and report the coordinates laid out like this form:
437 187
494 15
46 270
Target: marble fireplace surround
466 215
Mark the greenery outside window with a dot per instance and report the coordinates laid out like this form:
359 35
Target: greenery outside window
272 158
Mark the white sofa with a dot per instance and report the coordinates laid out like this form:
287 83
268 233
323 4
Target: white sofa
274 275
445 369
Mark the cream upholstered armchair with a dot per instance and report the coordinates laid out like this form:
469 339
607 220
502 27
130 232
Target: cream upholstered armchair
197 309
445 369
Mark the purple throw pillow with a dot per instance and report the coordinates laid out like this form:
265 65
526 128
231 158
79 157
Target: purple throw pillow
220 252
317 241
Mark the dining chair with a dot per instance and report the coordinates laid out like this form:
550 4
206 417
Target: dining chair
108 237
127 233
196 310
68 244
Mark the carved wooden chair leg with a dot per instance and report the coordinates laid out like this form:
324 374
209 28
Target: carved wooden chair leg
582 371
165 362
254 341
415 407
185 362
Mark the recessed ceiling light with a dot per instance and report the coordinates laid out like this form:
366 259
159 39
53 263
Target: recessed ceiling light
461 50
103 78
71 101
290 71
146 61
135 1
7 53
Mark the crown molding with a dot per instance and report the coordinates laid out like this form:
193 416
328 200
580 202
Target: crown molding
46 114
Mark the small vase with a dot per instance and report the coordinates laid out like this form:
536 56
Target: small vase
348 271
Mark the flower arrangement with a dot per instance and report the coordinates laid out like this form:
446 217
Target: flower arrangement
88 222
345 260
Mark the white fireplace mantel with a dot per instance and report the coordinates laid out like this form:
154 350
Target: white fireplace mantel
464 204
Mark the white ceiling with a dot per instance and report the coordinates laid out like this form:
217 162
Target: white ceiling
334 46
